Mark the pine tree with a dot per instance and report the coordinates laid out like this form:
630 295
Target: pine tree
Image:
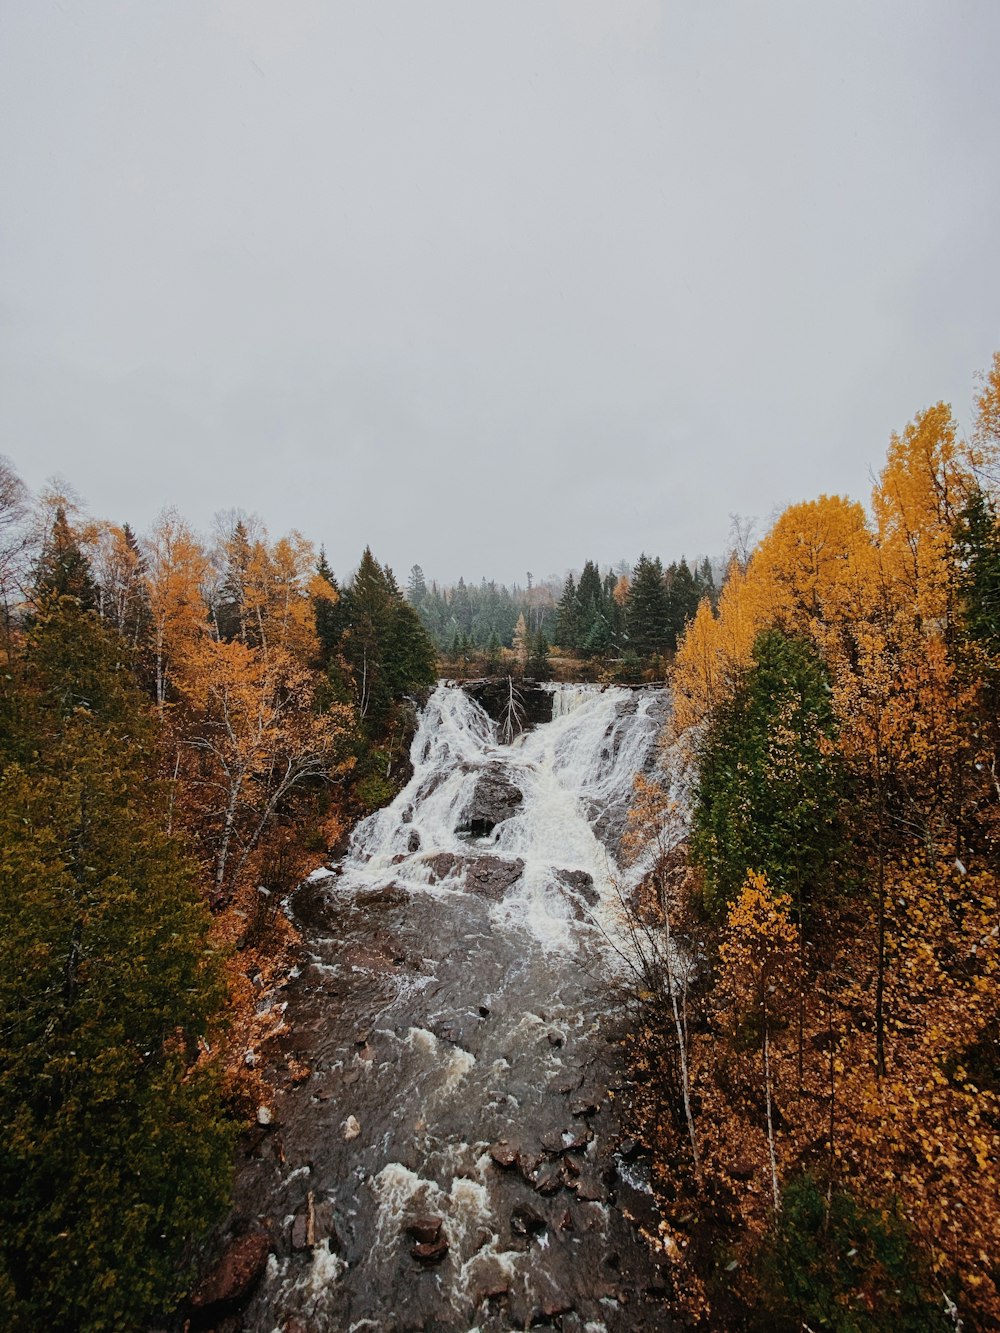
769 791
647 612
385 643
62 570
115 1154
568 617
416 587
328 611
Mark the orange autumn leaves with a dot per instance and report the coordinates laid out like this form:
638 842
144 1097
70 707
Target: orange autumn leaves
875 1042
228 640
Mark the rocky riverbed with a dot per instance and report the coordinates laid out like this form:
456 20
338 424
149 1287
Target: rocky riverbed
443 1147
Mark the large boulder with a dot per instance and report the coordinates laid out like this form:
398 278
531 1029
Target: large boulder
488 876
494 799
227 1287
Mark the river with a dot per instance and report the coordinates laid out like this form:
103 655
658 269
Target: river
451 1156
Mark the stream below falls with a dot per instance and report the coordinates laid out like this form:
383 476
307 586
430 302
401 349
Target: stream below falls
450 1157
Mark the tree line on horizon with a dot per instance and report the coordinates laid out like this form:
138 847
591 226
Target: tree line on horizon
629 616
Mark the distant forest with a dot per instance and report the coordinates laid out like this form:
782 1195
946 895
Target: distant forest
627 614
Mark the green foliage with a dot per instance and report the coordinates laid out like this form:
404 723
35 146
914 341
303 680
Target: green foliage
383 643
62 569
770 787
977 549
537 664
847 1268
115 1152
647 611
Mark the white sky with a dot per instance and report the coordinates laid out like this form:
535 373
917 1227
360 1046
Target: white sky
490 286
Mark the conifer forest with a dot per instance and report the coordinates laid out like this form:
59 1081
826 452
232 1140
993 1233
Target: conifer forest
801 901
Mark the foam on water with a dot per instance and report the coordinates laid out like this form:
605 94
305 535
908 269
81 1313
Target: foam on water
573 772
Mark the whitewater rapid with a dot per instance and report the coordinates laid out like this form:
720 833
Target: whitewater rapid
458 1023
575 775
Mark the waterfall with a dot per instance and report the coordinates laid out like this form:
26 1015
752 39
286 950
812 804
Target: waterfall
458 1022
573 777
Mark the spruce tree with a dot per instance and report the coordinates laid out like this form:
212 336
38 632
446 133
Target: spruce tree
567 634
115 1153
62 569
647 612
770 784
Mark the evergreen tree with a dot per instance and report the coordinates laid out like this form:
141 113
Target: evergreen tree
115 1154
567 634
537 665
384 642
593 624
977 550
647 612
416 587
705 582
683 599
230 605
62 570
329 612
769 788
491 662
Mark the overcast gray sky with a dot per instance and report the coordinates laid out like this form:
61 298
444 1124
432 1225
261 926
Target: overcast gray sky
491 287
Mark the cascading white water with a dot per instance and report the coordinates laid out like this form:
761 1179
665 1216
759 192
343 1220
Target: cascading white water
459 1018
573 773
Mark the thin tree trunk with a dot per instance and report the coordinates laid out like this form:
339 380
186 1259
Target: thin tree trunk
770 1121
229 821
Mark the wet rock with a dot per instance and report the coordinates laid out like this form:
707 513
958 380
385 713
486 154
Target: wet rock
589 1190
413 842
493 1290
629 1149
525 1221
386 895
300 1231
491 877
581 884
230 1283
566 1221
549 1179
584 1108
493 695
529 1164
488 876
483 1011
425 1230
442 865
494 799
567 1084
567 1140
504 1155
430 1254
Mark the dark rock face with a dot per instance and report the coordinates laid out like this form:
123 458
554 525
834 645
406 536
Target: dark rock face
492 696
494 800
488 876
580 890
425 1230
230 1283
